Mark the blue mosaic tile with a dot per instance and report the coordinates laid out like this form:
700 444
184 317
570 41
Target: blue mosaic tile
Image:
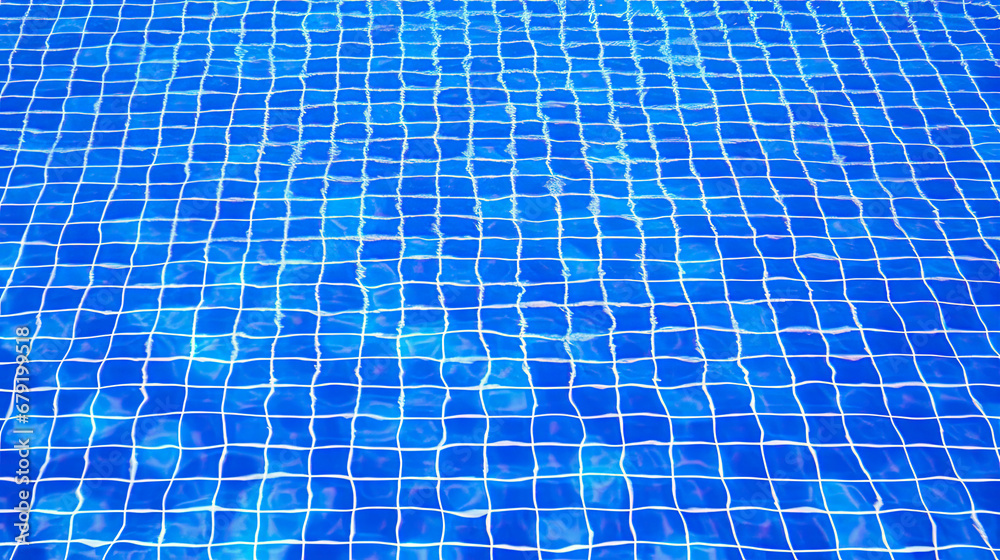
501 280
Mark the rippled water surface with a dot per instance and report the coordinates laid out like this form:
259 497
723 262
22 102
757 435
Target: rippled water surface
509 280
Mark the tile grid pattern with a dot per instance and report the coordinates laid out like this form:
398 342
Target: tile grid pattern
505 279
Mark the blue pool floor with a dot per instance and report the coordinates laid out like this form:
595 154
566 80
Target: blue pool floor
507 280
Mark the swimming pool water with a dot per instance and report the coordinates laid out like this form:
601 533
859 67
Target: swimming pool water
509 280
